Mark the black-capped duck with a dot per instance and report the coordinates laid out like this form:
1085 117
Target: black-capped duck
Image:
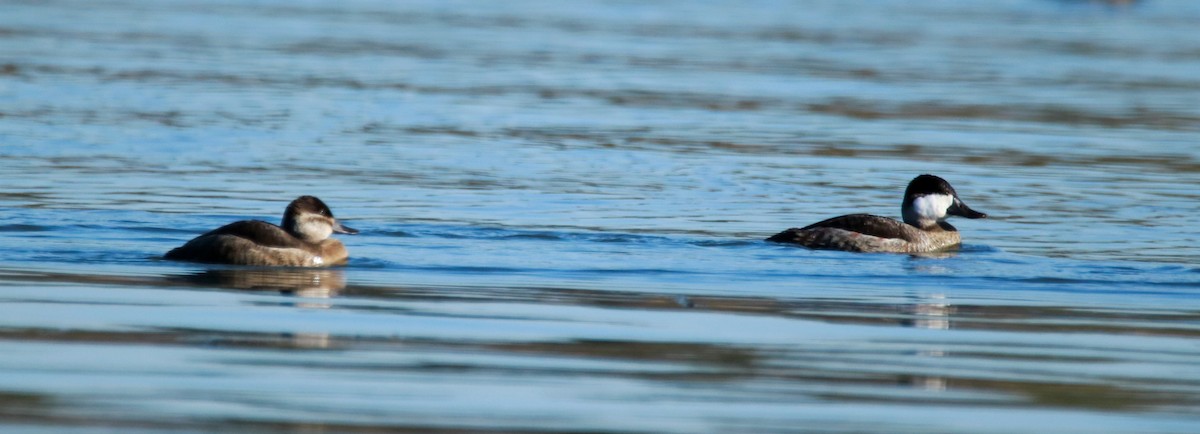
927 202
301 241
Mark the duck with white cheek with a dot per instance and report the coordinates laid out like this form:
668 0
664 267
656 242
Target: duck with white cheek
301 241
927 202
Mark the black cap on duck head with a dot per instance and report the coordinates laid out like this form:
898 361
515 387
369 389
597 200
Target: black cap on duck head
307 204
925 185
929 198
310 205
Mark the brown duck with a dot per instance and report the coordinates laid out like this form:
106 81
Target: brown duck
301 241
928 200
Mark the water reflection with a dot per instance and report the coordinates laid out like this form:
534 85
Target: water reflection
929 312
317 341
308 283
630 297
926 266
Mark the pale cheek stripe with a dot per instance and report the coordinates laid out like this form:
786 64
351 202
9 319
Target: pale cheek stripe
933 205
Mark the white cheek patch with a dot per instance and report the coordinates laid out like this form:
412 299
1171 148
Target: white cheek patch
932 206
315 229
317 260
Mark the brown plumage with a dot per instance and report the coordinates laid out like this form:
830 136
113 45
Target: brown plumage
302 240
927 201
869 233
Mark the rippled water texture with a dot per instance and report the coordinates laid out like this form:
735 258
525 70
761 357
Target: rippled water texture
562 206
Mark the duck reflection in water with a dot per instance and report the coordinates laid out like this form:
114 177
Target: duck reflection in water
928 311
308 283
301 282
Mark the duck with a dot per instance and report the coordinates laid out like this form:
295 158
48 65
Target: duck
928 200
302 240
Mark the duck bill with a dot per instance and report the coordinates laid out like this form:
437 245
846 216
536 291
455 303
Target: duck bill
343 229
962 210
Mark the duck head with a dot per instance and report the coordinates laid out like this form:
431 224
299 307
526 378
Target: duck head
928 200
309 219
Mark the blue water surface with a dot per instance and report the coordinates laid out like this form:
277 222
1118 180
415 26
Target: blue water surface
562 208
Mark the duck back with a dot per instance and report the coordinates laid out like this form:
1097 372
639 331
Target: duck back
868 233
253 242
